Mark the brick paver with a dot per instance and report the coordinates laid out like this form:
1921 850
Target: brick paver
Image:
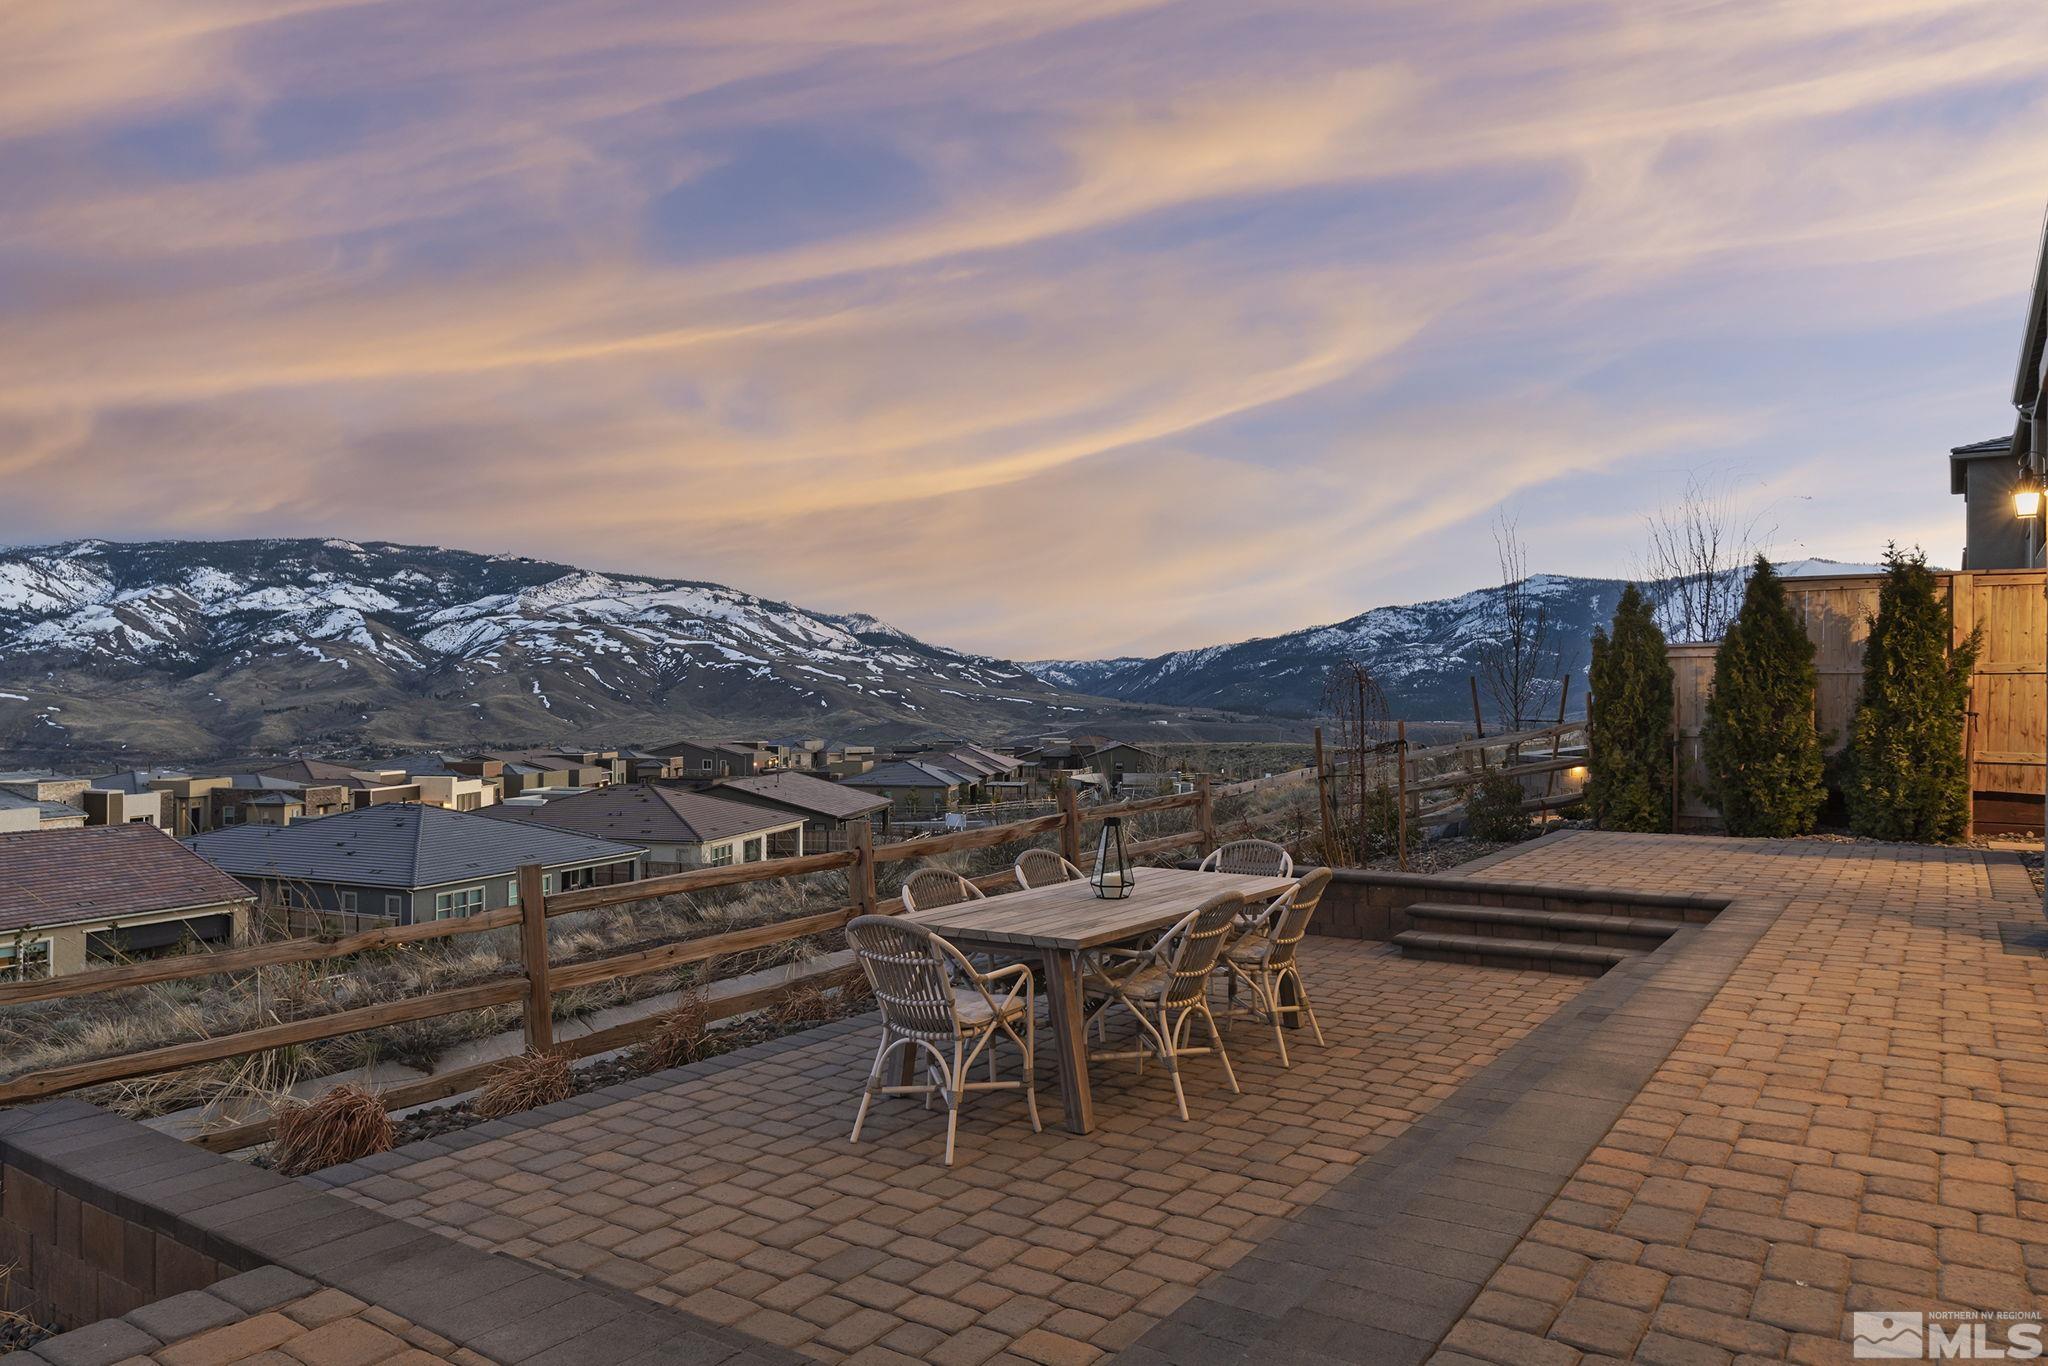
729 1190
1857 1120
326 1328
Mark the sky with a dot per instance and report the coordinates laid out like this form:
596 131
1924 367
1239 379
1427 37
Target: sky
1053 329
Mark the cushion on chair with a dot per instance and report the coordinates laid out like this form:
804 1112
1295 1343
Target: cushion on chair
973 1010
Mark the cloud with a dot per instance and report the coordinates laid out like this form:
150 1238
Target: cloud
957 312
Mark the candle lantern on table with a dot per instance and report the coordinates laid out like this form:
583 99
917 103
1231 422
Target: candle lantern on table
1112 876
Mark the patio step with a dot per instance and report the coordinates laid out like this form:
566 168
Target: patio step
1526 955
1516 922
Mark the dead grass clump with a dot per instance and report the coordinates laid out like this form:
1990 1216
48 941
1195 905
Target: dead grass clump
522 1083
856 992
802 1003
347 1123
678 1036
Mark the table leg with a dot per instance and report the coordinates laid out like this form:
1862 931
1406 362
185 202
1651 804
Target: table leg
1070 1033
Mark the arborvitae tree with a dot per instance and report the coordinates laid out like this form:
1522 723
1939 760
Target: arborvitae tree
1629 786
1763 753
1907 778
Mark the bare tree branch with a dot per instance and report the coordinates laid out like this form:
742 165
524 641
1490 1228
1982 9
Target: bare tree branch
1694 563
1519 660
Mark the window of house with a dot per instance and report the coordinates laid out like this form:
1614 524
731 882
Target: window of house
348 902
394 906
23 960
718 855
512 891
754 850
704 765
463 901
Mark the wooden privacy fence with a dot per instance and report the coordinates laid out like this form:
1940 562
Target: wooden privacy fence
1430 784
537 981
2006 731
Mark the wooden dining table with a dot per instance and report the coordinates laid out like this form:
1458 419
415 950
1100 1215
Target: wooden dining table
1059 923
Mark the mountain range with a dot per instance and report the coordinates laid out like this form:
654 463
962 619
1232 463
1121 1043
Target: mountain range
187 650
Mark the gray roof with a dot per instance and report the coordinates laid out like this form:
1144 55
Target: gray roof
907 773
11 801
801 792
135 779
398 844
651 811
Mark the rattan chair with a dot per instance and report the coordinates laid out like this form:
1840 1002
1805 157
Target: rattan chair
1042 868
936 1003
929 888
1165 988
1255 858
1264 957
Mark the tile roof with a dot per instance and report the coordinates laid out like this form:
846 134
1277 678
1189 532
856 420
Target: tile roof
397 844
907 773
98 872
804 793
648 811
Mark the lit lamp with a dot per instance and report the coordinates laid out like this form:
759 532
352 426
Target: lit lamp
1112 876
2026 500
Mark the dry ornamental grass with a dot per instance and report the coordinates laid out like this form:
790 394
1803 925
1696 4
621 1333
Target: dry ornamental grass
522 1083
343 1125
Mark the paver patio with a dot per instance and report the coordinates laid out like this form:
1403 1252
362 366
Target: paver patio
730 1191
1851 1113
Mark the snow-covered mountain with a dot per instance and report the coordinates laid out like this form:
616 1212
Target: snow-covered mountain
1423 654
189 649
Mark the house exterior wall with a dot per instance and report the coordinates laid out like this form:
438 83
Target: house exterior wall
1994 538
907 800
418 905
123 808
66 944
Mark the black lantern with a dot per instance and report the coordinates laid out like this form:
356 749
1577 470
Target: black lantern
1112 876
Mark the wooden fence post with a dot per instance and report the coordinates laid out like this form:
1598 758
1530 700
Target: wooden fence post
1330 855
1478 723
861 877
1070 824
1205 813
1401 781
533 956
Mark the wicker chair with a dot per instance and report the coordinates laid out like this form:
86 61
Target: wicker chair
1255 858
929 888
1264 957
1165 988
1042 868
935 1002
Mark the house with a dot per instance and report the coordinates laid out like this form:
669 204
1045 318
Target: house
914 787
679 826
186 797
1114 758
418 778
43 786
706 759
125 799
231 802
645 766
829 810
71 898
2030 397
524 771
19 813
1986 473
409 862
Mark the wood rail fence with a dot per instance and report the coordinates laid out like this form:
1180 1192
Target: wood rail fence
538 980
1430 783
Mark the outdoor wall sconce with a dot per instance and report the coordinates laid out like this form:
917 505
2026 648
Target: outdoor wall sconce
2026 499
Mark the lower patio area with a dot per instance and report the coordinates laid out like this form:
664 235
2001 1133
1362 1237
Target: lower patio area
729 1190
1834 1097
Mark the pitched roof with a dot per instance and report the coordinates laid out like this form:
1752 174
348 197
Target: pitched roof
97 872
396 844
907 773
801 792
648 811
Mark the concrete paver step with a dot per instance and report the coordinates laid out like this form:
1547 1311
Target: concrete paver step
1488 950
1584 927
